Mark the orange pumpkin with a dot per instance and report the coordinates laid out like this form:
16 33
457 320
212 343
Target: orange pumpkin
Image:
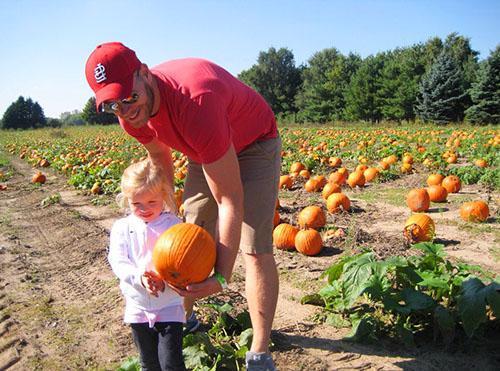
285 182
370 174
481 162
434 179
474 211
312 217
284 236
305 174
418 200
39 177
384 165
321 180
337 177
452 183
337 202
312 185
419 227
334 161
296 167
308 242
330 188
356 178
437 193
184 254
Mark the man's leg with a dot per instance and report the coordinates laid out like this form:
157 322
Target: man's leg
261 286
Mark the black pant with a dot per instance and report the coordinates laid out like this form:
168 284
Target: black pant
160 347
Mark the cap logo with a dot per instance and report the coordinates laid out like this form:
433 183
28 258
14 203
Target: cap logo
99 73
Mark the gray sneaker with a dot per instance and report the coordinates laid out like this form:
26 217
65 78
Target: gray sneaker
259 362
192 324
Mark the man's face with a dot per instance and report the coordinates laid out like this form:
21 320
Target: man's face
137 109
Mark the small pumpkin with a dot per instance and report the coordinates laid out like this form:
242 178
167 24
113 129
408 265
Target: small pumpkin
452 183
284 236
418 200
434 179
419 228
39 177
312 217
312 185
308 242
330 188
285 182
474 211
437 193
184 254
370 174
297 167
337 202
356 178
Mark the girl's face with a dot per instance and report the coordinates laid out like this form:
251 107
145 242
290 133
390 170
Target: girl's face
146 205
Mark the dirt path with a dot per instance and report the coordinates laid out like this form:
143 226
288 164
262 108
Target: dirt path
61 308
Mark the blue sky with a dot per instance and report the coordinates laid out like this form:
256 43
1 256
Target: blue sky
44 44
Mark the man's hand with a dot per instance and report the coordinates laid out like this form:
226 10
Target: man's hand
199 290
152 283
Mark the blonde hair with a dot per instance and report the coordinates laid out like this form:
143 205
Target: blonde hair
144 176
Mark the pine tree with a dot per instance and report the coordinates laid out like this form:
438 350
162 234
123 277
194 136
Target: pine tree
24 114
485 92
442 93
90 115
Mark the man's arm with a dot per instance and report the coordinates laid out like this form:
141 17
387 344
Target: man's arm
224 179
161 156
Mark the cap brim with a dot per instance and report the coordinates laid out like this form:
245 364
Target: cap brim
114 91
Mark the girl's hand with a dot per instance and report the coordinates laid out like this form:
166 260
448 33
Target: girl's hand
152 283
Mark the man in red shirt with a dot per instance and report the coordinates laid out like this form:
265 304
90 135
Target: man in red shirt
229 134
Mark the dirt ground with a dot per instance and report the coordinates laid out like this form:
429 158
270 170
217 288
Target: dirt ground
60 307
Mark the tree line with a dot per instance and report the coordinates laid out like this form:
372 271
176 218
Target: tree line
436 81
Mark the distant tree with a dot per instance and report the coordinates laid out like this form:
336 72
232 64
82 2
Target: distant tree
23 114
362 98
400 76
442 92
276 78
485 92
325 80
54 123
91 116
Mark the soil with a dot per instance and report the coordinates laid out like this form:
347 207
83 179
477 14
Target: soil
61 309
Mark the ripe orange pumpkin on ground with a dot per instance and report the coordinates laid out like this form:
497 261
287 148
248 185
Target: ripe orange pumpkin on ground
184 254
337 202
419 228
312 185
337 177
474 211
330 188
370 174
311 217
39 177
452 183
481 162
284 236
435 179
356 178
285 182
296 167
308 242
437 193
418 200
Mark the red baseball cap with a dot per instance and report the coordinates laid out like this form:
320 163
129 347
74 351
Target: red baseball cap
110 71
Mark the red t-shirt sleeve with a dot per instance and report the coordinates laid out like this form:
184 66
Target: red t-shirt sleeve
144 134
209 131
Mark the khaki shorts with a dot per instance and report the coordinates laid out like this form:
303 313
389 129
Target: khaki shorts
260 171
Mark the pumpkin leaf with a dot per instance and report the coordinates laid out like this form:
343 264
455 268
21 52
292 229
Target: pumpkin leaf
416 300
445 323
363 330
313 299
472 305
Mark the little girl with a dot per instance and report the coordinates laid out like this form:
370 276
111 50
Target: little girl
154 311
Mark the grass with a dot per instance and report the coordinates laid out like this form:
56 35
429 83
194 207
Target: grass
392 196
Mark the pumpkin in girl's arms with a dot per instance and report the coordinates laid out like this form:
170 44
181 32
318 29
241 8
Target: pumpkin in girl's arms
184 254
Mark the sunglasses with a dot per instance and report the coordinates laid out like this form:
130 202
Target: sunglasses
115 106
